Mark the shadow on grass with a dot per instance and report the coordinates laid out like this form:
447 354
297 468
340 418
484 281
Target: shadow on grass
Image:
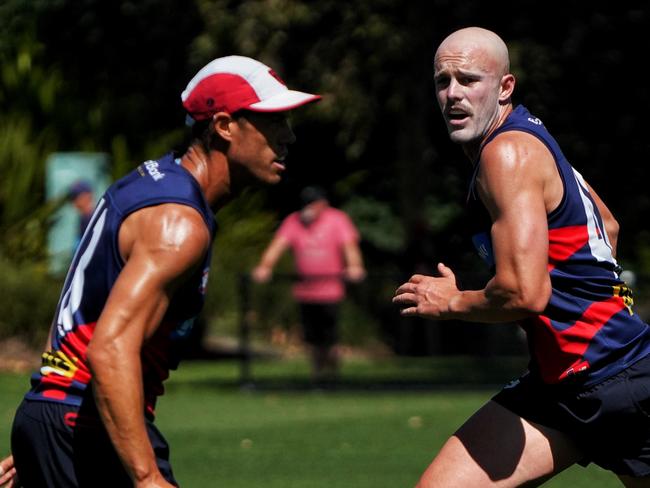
393 374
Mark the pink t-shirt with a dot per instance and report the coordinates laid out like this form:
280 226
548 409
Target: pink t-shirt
318 252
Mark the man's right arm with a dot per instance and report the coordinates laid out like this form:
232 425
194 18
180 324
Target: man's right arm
264 270
161 245
515 172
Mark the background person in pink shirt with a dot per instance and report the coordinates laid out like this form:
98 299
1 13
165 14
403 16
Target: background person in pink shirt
325 247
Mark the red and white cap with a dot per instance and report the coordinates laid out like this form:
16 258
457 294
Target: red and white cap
233 83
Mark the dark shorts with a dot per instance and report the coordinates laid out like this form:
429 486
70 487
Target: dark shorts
320 323
609 421
61 446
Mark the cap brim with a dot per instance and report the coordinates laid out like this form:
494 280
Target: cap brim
287 100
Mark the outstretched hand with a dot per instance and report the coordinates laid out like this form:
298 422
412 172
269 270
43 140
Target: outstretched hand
8 477
354 274
428 296
262 274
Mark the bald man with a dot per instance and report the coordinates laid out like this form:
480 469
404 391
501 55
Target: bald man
551 244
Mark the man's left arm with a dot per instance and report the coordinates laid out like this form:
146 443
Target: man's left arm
354 269
609 221
349 235
162 246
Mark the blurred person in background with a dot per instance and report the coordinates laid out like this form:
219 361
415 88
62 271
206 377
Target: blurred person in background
80 194
550 242
135 284
325 245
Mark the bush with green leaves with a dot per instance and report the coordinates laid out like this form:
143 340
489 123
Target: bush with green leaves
28 297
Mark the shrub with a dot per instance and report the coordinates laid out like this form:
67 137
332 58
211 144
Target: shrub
28 298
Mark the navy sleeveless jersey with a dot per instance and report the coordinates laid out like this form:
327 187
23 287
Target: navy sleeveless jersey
65 375
588 331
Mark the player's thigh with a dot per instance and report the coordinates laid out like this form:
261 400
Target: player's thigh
496 447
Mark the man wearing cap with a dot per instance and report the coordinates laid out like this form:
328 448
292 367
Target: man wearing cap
80 195
325 246
135 283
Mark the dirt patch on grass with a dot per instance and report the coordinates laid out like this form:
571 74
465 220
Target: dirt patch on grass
18 357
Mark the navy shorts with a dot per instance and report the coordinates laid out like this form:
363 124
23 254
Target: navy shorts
610 421
62 446
320 323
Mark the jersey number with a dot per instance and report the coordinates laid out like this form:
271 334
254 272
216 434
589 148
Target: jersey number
72 293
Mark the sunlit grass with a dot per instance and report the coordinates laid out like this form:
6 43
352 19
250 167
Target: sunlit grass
366 434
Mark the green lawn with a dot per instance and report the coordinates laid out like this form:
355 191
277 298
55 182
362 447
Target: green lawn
283 435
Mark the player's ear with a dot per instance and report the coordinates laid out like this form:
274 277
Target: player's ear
507 87
221 121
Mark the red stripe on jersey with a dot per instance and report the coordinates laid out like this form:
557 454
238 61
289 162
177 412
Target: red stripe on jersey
56 380
54 386
563 243
54 394
564 350
74 345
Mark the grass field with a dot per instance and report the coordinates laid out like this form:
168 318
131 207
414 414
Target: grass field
280 434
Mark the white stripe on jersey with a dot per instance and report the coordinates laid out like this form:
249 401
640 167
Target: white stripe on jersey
72 296
600 247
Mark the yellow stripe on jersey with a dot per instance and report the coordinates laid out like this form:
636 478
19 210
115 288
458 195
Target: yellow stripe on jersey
625 292
57 362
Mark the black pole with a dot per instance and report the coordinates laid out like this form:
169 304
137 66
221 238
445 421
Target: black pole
244 330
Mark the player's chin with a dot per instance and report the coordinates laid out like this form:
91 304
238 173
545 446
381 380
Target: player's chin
272 178
457 136
274 173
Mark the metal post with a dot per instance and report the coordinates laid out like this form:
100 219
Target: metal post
244 330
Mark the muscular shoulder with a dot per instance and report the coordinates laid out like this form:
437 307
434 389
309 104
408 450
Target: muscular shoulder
170 232
516 161
516 151
513 155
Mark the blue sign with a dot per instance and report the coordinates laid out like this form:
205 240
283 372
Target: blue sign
63 172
